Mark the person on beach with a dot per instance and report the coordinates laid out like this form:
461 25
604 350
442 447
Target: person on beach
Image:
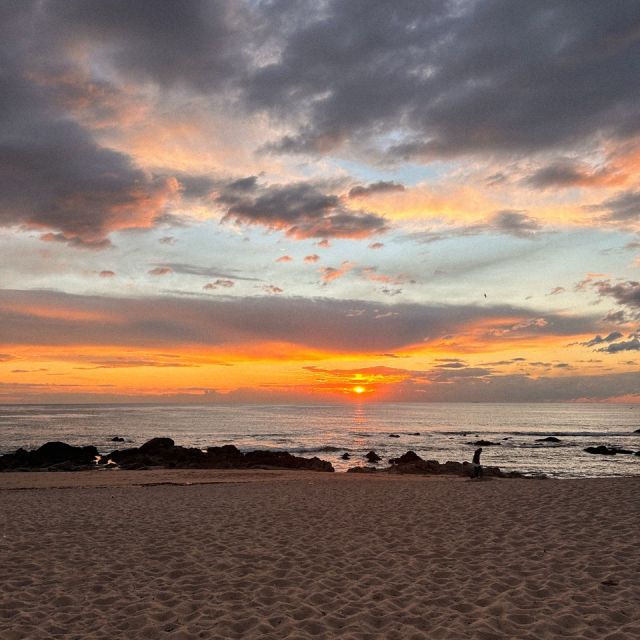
477 467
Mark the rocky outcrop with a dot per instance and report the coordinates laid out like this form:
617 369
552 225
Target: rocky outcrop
484 443
411 463
158 452
56 456
372 457
548 439
608 451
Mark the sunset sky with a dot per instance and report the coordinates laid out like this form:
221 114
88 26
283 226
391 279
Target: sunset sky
283 201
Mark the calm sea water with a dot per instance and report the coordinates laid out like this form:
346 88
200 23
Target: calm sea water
328 431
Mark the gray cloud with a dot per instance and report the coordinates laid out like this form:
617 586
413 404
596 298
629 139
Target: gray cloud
301 209
624 293
516 223
193 43
453 78
615 335
632 344
565 173
622 208
507 222
198 270
363 191
320 323
54 176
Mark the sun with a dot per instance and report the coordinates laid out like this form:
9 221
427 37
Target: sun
359 390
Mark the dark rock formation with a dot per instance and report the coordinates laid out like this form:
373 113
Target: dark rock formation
372 457
394 435
607 451
417 433
117 439
49 455
410 456
484 443
158 452
284 460
548 439
362 470
412 463
157 445
162 452
345 456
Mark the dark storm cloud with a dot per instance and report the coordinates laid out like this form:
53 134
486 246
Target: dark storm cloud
454 77
622 208
319 323
301 209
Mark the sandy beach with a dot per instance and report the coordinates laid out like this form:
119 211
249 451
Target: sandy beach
244 554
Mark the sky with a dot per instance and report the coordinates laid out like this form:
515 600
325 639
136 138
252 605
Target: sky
319 201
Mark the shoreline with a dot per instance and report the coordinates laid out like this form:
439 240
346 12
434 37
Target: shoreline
235 554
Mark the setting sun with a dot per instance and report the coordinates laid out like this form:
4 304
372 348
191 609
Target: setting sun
359 390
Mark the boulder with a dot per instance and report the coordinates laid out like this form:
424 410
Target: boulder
362 470
394 435
345 456
117 439
410 456
484 443
548 439
372 457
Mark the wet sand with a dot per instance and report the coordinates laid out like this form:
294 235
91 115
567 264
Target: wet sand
244 554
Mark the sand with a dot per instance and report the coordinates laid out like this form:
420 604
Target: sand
306 555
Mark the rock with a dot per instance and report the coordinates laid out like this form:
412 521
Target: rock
362 470
484 443
394 435
158 452
410 456
157 444
417 433
607 451
372 456
453 468
49 455
549 439
345 456
117 439
284 460
637 431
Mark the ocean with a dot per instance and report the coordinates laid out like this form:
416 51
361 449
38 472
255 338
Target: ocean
434 431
